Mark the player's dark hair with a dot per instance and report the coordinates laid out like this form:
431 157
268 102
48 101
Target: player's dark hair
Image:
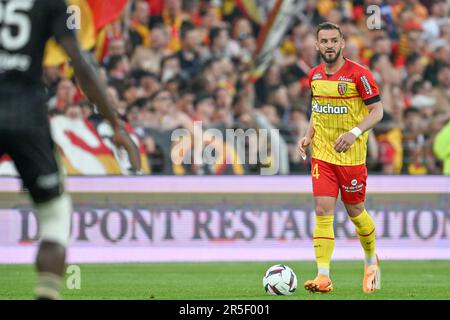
328 26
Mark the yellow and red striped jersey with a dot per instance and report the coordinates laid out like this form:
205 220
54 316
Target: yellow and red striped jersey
339 103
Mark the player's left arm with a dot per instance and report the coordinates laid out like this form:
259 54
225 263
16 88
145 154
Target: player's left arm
375 115
86 73
369 92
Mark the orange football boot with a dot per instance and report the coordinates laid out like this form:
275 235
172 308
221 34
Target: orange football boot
321 283
372 278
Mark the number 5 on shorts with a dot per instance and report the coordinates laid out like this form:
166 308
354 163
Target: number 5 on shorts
315 171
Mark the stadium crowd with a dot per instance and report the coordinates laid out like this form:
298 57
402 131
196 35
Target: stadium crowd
177 62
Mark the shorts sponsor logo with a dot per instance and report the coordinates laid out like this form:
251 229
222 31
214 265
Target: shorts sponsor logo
355 187
328 108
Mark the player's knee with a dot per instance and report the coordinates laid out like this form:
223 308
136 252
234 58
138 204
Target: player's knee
324 210
354 210
54 218
44 188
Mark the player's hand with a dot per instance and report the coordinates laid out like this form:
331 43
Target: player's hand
121 138
344 142
302 144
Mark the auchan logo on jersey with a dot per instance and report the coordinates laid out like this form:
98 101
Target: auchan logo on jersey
328 108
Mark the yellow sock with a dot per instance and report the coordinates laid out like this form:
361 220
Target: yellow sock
365 228
323 243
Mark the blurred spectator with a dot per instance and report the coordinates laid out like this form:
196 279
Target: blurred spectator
307 58
119 104
441 147
139 27
116 47
220 43
389 146
440 52
170 67
271 79
149 83
441 94
87 109
73 111
421 98
415 68
247 42
224 112
205 107
188 55
241 26
173 17
149 57
438 18
278 96
414 142
166 115
118 69
65 95
51 77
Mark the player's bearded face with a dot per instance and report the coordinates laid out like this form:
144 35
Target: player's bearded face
330 44
330 55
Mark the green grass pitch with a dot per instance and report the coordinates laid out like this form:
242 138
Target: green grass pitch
233 280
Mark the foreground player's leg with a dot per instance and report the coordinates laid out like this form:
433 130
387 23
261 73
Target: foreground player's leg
323 245
33 152
365 228
54 220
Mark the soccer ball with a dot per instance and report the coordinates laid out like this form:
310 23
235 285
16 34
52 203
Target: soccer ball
280 280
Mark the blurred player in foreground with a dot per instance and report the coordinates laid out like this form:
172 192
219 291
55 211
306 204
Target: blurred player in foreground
345 105
25 27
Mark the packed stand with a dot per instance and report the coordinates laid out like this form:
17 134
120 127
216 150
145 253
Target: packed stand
177 62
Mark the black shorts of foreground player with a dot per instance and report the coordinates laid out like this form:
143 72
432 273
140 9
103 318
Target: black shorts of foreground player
24 128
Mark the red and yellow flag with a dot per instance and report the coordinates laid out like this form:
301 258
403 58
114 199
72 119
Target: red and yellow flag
271 35
106 11
94 15
252 10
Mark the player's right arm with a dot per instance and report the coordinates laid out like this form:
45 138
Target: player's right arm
91 84
304 142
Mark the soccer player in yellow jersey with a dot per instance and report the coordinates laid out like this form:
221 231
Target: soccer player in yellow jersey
345 105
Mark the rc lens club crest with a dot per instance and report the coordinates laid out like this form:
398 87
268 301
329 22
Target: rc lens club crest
342 88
